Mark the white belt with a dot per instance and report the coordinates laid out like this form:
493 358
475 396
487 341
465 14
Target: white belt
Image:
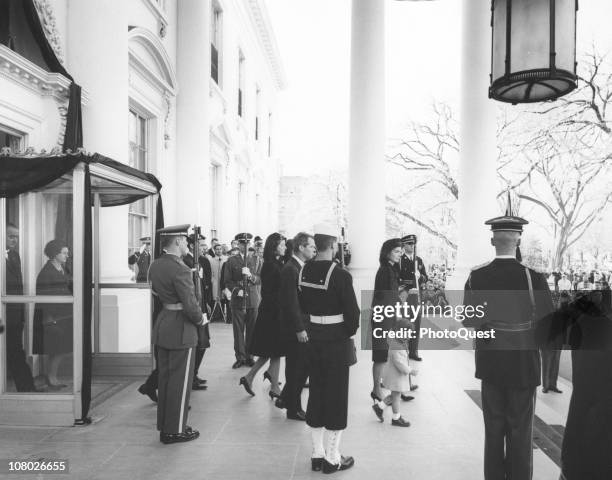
327 319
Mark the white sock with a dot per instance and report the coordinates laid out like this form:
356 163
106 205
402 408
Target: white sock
396 416
333 446
318 448
381 404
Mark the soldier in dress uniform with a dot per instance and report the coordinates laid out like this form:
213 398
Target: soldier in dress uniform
237 276
204 335
515 298
175 335
142 259
327 296
412 276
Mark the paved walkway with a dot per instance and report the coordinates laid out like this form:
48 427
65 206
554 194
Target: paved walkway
248 438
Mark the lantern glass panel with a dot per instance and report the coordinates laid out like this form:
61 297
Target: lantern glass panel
530 34
499 38
565 34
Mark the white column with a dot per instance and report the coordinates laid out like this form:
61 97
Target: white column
478 152
192 108
367 140
98 61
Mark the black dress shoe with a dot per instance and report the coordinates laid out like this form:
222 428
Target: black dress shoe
415 358
299 415
237 364
197 379
345 464
273 395
407 398
198 386
400 422
268 377
556 390
316 464
245 383
413 387
545 390
186 436
280 403
379 412
148 392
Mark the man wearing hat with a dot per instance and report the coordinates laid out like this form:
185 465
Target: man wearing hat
142 259
175 334
327 297
203 271
412 276
515 298
237 278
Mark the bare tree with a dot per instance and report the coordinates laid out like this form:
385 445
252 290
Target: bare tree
558 156
426 147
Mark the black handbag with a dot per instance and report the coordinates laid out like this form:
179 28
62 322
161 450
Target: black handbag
350 352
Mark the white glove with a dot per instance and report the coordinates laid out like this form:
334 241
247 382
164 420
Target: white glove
143 247
246 271
227 293
240 293
413 372
204 319
201 272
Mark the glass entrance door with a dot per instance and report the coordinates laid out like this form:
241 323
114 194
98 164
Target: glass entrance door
41 353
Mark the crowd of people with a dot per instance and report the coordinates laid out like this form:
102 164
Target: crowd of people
285 298
292 299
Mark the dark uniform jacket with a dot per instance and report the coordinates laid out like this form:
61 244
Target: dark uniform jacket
233 280
293 319
142 261
511 359
172 282
406 271
338 298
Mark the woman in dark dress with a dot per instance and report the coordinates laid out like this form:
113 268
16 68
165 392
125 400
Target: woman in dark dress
386 292
53 321
587 443
267 343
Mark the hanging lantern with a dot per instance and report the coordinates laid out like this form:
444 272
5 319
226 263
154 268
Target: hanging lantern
533 56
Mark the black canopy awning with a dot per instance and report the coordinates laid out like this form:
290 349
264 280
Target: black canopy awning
21 173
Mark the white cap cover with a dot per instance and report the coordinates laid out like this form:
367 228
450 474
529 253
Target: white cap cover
326 229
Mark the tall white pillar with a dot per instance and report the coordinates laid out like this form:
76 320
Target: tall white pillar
478 143
192 109
97 54
367 139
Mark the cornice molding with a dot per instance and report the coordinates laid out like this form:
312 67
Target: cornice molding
263 26
31 76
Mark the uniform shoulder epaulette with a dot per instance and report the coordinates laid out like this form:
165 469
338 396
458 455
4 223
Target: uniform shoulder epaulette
482 265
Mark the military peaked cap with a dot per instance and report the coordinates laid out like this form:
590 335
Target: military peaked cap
243 237
174 230
409 239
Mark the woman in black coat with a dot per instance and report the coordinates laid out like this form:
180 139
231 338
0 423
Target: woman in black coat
587 443
386 292
266 342
53 321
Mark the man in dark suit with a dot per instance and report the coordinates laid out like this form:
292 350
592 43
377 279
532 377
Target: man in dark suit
175 335
15 318
142 259
236 277
294 325
413 276
515 298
